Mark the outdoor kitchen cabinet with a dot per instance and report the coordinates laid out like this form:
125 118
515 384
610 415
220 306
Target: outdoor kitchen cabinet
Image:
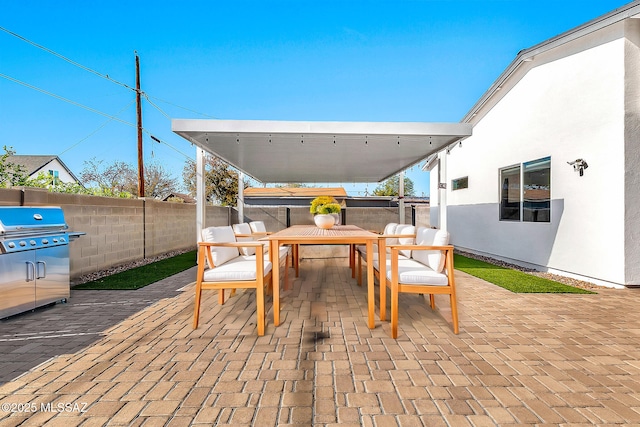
33 278
34 258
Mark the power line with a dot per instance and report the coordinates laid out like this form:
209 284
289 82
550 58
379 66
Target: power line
64 58
179 106
160 141
104 76
77 104
96 130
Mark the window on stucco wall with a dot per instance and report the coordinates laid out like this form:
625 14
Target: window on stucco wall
525 191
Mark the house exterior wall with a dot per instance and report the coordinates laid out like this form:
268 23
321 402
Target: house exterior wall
567 104
55 165
632 152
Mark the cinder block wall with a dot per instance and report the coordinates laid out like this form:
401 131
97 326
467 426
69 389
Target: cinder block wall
275 217
124 230
118 230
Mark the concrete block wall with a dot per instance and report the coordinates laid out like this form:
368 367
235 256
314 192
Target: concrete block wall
275 217
118 230
168 226
123 230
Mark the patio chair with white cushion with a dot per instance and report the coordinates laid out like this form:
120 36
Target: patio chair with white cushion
428 269
259 229
229 269
245 233
393 234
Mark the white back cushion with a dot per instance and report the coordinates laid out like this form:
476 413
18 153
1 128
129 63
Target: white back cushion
224 234
258 227
409 230
244 229
431 237
390 229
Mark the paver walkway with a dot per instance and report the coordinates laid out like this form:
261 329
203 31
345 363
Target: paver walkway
520 359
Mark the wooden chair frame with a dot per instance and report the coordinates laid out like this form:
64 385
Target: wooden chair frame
262 280
397 287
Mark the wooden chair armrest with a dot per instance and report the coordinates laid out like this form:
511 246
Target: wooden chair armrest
421 248
261 233
396 236
232 244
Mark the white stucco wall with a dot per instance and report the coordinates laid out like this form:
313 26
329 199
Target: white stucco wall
55 165
569 105
632 152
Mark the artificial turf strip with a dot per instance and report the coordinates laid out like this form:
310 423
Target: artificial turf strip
142 276
512 280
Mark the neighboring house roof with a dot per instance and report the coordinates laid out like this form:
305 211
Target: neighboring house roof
35 164
185 197
528 55
294 192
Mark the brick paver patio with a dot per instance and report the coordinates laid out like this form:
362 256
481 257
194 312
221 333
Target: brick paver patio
132 358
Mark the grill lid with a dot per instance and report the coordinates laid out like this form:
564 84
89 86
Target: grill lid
28 219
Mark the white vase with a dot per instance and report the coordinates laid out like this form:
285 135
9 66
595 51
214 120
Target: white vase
325 221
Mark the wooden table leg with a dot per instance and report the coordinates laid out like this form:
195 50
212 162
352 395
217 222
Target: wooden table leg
275 276
370 285
352 259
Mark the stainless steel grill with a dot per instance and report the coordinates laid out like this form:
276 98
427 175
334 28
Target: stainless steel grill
34 258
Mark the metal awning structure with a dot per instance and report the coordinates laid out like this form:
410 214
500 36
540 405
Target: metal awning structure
307 152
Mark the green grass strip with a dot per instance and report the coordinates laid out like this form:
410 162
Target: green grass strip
512 280
144 275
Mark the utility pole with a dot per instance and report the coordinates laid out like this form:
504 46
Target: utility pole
139 110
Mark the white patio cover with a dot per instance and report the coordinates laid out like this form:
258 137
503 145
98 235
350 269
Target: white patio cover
322 152
314 152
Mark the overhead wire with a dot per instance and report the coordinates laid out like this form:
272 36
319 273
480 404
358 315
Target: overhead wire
179 106
96 130
104 76
64 58
77 104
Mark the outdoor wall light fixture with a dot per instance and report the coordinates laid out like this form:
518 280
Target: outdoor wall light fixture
579 165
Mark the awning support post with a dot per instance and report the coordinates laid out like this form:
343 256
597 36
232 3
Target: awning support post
401 197
240 197
442 189
200 196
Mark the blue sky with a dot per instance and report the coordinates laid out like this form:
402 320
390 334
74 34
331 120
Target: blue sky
418 60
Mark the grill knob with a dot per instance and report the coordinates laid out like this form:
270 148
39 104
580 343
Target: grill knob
32 242
62 240
45 242
11 245
22 243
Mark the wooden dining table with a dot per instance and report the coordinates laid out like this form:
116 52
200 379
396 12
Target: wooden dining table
312 235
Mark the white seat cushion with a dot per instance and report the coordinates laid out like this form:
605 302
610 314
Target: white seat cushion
412 272
431 237
223 234
238 269
244 228
363 249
